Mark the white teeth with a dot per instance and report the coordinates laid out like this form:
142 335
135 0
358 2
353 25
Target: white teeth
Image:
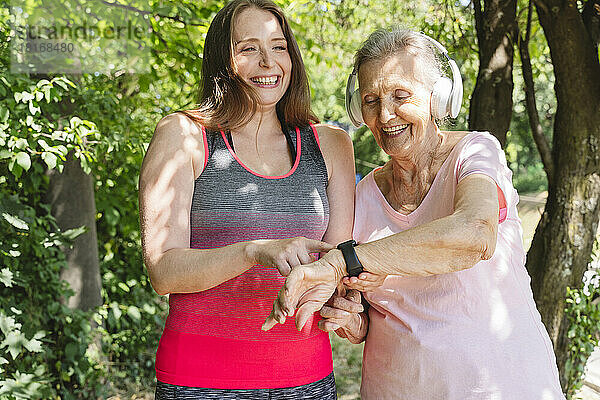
272 80
394 129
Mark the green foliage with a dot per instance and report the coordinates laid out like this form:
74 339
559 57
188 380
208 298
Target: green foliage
45 346
51 351
583 313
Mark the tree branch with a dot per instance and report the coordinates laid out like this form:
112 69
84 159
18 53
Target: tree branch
534 119
591 19
175 18
528 31
478 20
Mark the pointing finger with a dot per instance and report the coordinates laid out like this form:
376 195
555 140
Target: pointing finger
269 323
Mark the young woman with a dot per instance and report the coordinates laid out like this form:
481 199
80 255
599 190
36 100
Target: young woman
233 195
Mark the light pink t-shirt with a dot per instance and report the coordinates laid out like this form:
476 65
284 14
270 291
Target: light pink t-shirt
473 334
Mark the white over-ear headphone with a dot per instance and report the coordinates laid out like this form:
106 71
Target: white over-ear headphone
446 96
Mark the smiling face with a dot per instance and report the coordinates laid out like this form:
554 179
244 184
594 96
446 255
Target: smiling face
260 55
395 103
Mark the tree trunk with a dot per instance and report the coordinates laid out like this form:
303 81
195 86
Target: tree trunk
491 101
71 196
562 245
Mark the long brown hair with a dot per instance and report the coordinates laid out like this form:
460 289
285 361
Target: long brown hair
225 100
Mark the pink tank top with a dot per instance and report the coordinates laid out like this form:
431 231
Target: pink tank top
213 338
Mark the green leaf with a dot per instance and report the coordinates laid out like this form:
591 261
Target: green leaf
14 340
71 350
23 160
116 311
134 313
33 109
8 324
46 90
6 277
50 159
34 346
4 113
15 221
75 232
39 335
25 97
124 288
21 143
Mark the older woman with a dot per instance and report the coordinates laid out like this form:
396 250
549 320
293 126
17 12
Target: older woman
454 317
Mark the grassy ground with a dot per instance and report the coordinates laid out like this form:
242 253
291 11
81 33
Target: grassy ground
347 364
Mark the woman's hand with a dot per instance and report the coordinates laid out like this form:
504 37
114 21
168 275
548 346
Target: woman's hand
286 254
364 282
307 288
341 313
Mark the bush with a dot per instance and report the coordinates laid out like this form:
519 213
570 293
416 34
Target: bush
583 313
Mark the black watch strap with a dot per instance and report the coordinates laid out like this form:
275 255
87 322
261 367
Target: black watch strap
353 265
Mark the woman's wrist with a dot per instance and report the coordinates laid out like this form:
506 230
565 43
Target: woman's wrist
250 251
335 259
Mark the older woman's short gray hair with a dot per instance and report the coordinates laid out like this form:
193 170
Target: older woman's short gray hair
383 43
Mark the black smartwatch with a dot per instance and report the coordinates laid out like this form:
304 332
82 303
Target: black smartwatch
353 265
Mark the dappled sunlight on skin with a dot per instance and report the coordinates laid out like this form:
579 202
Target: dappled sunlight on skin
161 203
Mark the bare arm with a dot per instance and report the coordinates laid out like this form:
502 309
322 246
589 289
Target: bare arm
174 159
337 150
448 244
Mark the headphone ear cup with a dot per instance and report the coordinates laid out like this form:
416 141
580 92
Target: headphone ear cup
356 109
457 90
353 101
441 98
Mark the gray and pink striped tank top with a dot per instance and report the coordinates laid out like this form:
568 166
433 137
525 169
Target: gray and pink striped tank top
213 338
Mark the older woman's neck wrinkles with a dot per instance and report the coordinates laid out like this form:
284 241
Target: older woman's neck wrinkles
408 178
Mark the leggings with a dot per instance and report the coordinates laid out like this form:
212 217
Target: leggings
323 389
